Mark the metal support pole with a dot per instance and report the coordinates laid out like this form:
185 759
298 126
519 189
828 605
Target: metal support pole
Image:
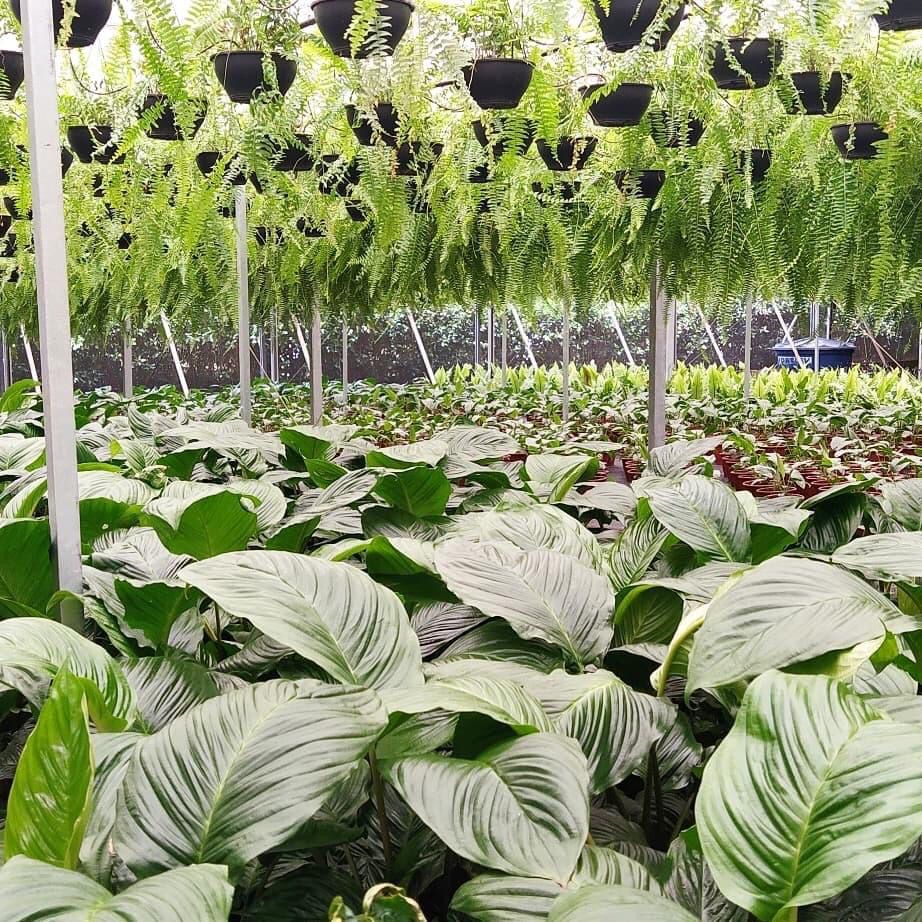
421 346
127 361
316 367
526 342
621 337
476 337
491 339
261 356
345 362
918 368
788 338
829 309
565 336
6 370
302 342
672 326
53 300
747 353
816 337
243 306
30 357
504 346
274 346
658 362
168 332
710 332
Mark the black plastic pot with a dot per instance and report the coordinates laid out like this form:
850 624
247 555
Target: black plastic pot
6 224
67 161
242 76
498 83
356 211
14 72
642 183
858 141
366 131
90 17
207 162
266 235
166 128
812 94
333 18
93 144
338 180
479 175
5 177
309 229
520 143
124 242
671 132
296 158
746 63
901 16
410 160
226 211
99 186
9 246
758 161
626 21
256 183
568 153
621 107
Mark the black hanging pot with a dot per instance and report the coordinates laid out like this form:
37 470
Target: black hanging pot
339 181
334 17
5 177
99 186
410 161
6 223
568 153
226 211
479 175
366 131
356 211
266 235
166 127
309 229
90 17
67 161
671 132
9 246
257 184
208 160
94 144
626 21
124 242
517 141
621 107
498 83
14 72
242 76
297 157
746 63
858 141
901 16
812 95
757 161
642 183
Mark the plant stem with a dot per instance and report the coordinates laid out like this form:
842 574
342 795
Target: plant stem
378 787
685 631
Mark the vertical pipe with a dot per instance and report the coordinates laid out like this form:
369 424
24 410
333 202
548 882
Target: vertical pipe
491 339
274 346
316 367
504 346
420 345
829 321
261 357
345 361
816 337
672 326
658 362
168 333
127 361
747 354
6 376
53 300
476 337
243 305
621 337
30 357
565 336
526 342
918 369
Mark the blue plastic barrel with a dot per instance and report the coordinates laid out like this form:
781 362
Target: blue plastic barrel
833 353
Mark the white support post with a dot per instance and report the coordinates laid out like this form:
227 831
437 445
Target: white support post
302 342
491 339
621 337
565 337
53 300
526 342
168 333
658 363
788 338
261 353
6 370
816 337
274 346
30 357
127 361
710 332
918 369
504 346
476 337
243 305
672 326
316 367
345 362
747 353
423 354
